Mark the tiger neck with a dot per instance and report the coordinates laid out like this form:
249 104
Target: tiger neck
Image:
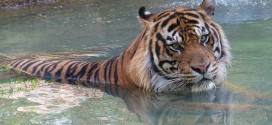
137 68
126 69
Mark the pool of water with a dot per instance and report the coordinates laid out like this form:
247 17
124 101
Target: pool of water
101 29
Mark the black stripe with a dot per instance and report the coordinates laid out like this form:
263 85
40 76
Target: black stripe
160 38
207 27
222 54
174 32
156 27
213 25
196 26
163 14
192 21
55 65
70 70
166 61
74 69
89 74
152 58
67 74
168 52
169 38
96 76
173 69
214 69
48 66
47 74
17 63
23 64
38 74
137 44
217 49
219 38
35 67
164 23
13 62
116 72
170 78
150 50
192 15
123 58
134 51
180 34
105 74
28 65
202 29
58 74
157 49
202 15
178 21
172 27
215 33
81 73
105 70
110 69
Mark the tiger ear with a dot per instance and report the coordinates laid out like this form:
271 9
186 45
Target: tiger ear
145 17
208 6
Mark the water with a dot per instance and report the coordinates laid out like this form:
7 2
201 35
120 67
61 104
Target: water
103 29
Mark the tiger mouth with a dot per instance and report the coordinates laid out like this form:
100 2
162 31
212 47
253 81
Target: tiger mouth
204 81
203 85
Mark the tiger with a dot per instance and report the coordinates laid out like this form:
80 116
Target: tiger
180 49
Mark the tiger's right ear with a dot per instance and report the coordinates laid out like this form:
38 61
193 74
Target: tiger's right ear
145 17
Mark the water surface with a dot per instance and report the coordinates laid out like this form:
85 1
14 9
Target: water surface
102 29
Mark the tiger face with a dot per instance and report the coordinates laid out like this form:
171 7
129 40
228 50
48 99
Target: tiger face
184 49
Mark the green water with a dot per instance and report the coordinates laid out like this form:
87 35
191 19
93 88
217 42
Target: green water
104 29
251 47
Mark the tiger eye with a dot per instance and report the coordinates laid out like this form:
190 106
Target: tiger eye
204 39
176 46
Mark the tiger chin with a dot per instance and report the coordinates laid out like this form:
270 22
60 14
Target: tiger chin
178 50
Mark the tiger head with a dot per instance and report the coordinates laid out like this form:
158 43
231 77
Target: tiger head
182 48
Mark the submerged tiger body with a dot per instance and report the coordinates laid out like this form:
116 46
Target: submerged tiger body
179 49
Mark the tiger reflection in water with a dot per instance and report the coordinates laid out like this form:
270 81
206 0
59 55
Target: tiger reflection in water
207 108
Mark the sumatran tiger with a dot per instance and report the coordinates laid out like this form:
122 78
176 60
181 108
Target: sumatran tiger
178 50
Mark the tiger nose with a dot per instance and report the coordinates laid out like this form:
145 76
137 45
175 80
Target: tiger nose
201 68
